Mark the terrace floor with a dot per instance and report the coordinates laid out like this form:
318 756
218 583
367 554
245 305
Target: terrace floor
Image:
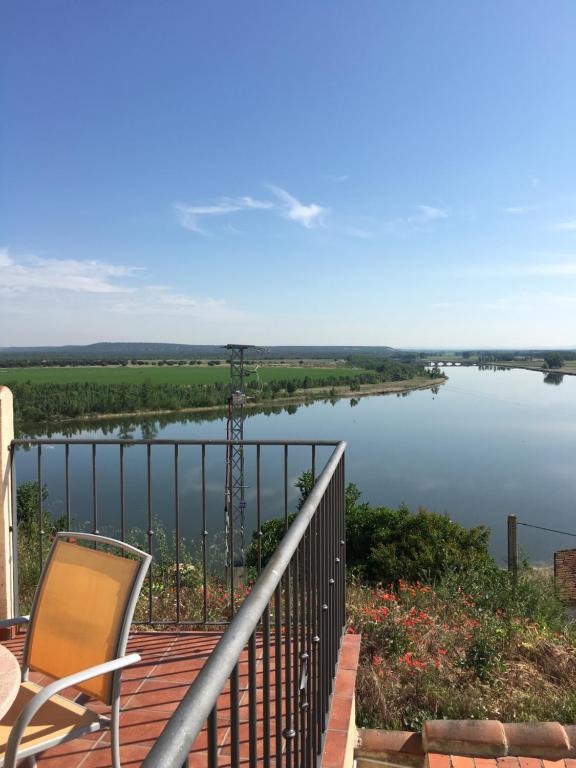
151 691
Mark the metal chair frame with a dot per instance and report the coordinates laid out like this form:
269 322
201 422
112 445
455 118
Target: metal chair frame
114 666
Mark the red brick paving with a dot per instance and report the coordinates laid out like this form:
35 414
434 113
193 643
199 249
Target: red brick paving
435 760
151 691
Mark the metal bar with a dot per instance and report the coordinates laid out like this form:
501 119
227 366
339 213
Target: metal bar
14 497
149 518
295 652
324 635
213 738
230 518
163 441
331 581
286 487
316 611
122 495
258 520
309 636
314 463
288 726
252 709
177 530
303 681
40 510
94 494
278 674
67 485
343 538
266 685
234 718
204 541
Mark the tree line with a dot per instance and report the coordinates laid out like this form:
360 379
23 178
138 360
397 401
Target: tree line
73 362
45 401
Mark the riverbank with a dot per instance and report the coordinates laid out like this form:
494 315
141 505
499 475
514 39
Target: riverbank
536 367
299 397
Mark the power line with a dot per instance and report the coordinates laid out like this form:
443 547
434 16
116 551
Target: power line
541 528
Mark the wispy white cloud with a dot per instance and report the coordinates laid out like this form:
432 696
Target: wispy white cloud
308 216
426 214
431 213
519 210
38 296
565 226
189 215
32 272
166 301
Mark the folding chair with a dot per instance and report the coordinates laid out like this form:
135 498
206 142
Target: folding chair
77 633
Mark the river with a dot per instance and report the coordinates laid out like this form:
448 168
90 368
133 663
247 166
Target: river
484 445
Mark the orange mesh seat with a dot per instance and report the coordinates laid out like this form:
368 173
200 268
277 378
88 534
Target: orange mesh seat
77 634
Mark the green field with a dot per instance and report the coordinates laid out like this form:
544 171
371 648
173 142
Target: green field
184 374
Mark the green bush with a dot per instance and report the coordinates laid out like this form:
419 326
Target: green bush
385 545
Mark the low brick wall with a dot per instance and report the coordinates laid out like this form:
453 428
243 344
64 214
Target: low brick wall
341 732
565 574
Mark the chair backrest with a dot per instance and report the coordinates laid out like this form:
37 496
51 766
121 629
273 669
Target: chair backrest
83 608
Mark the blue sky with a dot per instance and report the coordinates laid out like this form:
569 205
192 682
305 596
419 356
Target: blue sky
396 172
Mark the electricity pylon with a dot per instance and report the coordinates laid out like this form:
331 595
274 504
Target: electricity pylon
235 492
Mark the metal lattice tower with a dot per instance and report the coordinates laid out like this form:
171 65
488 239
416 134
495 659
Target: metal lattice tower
235 504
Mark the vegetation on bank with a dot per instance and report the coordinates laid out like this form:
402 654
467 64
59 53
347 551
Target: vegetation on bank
446 633
474 645
175 389
218 373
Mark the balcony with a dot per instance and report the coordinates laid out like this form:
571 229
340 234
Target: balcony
242 658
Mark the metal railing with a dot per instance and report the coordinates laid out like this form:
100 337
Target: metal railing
164 496
301 593
279 651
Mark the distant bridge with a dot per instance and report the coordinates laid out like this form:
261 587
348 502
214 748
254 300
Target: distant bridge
447 363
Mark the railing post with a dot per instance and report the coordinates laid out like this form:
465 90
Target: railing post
512 545
6 437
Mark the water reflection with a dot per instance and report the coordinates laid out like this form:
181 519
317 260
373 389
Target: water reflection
554 378
489 446
142 426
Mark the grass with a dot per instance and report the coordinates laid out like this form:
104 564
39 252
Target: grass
498 651
184 374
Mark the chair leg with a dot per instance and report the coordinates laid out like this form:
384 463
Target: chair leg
115 733
30 762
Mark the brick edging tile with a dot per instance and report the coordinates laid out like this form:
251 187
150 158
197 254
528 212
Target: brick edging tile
336 746
491 738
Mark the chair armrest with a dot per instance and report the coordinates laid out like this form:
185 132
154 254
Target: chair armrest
4 623
50 690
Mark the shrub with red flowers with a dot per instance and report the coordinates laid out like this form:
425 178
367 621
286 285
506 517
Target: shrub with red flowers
474 647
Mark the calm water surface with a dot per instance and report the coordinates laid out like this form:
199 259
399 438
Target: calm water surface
487 444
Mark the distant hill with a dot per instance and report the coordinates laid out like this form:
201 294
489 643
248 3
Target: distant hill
152 351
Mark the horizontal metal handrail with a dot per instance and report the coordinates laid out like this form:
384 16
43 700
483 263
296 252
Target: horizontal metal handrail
165 441
177 738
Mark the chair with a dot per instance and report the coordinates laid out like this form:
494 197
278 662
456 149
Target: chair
77 633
